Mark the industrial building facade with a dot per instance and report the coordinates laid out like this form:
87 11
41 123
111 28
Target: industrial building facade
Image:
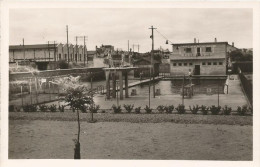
208 58
47 53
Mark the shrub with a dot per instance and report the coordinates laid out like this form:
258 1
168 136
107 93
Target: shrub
128 107
94 108
215 110
43 108
242 110
169 109
52 108
181 109
11 108
160 108
61 108
62 64
204 110
138 110
194 109
116 109
250 109
148 109
226 110
29 108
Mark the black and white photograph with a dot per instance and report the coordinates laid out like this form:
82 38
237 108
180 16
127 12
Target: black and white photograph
130 81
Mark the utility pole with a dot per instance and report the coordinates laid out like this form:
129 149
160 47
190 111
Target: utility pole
49 52
76 57
54 51
152 28
67 30
84 52
23 51
128 46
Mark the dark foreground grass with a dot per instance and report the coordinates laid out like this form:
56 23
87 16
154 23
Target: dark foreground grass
136 118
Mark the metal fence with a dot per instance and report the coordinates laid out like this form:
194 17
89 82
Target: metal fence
247 86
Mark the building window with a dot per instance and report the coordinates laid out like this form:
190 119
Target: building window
185 64
188 50
209 63
220 63
59 56
179 64
79 57
214 63
174 64
208 49
65 56
203 63
190 64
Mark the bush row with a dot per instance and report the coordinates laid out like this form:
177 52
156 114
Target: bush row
215 110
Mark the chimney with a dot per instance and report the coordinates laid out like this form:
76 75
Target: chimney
233 44
194 40
215 39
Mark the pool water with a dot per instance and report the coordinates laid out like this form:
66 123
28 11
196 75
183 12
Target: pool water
170 87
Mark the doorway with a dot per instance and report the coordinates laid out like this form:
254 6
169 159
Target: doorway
198 51
197 70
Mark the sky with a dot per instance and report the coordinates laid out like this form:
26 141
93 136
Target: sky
117 26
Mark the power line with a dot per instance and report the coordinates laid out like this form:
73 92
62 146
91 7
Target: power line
163 36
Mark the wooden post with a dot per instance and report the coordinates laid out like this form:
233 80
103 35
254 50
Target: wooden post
183 90
218 94
91 85
121 84
126 85
22 94
108 84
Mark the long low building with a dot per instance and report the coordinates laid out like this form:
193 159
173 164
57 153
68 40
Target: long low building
48 52
207 58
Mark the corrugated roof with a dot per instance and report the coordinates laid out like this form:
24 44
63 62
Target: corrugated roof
38 46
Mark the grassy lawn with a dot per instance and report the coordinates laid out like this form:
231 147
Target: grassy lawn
47 139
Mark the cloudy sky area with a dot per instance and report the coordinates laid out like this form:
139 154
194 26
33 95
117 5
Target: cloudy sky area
116 26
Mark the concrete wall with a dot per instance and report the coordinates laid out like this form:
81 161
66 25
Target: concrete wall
204 69
51 73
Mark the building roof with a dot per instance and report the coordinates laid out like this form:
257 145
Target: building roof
91 52
37 46
148 59
203 43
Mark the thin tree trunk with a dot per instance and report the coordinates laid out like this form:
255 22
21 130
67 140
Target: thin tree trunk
77 144
78 124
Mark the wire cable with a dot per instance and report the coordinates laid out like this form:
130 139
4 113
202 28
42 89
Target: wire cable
163 36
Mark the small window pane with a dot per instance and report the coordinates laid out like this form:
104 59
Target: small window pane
214 63
179 64
203 63
209 63
188 50
174 64
185 64
220 63
190 64
208 49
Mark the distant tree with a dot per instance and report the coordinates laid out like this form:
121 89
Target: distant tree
62 64
238 55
